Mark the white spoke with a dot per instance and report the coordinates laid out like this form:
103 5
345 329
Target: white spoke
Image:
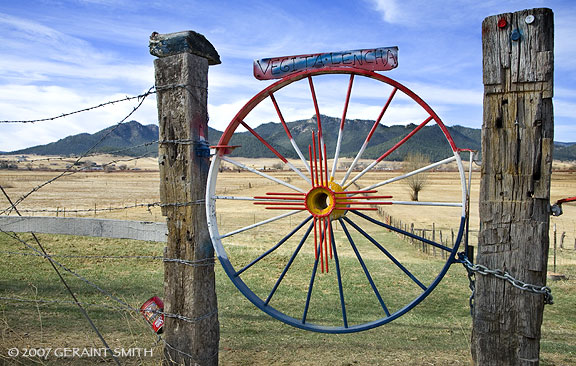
366 170
298 172
339 141
336 155
367 140
279 181
259 224
297 149
420 203
423 169
360 152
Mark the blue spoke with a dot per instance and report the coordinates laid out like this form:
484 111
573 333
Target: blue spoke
288 264
394 260
309 295
400 231
282 241
340 288
364 267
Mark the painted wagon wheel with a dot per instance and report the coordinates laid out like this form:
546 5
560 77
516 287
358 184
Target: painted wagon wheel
306 245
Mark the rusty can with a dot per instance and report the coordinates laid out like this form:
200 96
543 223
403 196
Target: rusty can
151 311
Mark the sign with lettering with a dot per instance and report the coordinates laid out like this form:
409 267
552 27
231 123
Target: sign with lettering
374 59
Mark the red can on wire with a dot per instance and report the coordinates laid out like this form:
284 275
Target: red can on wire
151 311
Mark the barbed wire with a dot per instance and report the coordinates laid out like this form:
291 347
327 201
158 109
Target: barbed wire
151 90
193 263
72 170
105 292
69 171
125 99
148 206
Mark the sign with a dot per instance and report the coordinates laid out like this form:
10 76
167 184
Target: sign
374 59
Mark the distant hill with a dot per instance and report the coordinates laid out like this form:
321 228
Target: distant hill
429 140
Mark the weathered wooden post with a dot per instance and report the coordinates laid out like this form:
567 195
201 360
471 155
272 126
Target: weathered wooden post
189 290
517 137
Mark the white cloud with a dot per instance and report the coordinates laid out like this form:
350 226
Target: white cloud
25 102
390 11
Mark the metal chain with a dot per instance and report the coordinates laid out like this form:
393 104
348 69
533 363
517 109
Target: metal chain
472 269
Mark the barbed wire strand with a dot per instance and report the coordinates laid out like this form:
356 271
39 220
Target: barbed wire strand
107 306
151 90
68 171
125 99
114 152
193 263
82 310
117 208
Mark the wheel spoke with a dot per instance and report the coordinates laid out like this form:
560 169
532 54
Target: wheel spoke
317 110
425 203
387 253
312 277
340 131
287 130
403 232
287 267
409 174
280 156
282 241
339 276
390 151
258 198
255 171
366 272
372 130
258 224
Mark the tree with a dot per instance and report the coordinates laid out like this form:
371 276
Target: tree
416 182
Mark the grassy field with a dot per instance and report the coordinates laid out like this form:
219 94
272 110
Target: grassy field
436 332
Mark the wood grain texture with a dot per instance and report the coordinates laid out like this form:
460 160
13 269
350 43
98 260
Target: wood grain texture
517 136
188 290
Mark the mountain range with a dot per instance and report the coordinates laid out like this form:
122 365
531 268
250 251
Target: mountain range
134 139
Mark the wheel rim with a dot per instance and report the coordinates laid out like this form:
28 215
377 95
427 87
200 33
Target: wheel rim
322 198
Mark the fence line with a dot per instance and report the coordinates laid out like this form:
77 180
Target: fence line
98 223
125 99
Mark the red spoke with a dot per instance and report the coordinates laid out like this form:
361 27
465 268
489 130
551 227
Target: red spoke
404 139
325 224
315 238
318 121
284 160
288 193
320 161
381 114
311 165
325 166
315 159
347 102
280 116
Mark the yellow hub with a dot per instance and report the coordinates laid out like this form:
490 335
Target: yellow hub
321 201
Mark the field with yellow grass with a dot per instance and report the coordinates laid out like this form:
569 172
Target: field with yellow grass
35 310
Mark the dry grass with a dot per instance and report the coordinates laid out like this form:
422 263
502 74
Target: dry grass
435 333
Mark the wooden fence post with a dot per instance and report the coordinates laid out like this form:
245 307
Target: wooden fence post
181 71
517 138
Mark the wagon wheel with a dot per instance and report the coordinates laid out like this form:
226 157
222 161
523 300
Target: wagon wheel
309 245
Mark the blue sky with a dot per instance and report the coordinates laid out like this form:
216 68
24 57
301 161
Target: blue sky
63 55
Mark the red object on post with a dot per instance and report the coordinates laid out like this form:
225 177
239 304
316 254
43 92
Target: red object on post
151 311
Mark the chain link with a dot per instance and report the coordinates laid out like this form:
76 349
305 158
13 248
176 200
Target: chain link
472 269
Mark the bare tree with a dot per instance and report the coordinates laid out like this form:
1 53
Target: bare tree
416 182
